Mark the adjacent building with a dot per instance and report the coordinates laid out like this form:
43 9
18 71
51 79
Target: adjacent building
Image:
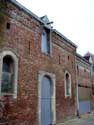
90 58
84 86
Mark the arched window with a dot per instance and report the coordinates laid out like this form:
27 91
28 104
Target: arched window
67 84
45 46
9 73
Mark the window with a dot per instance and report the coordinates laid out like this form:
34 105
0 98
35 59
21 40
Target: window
59 59
67 84
9 71
45 43
7 75
68 57
93 68
84 70
8 25
72 65
77 70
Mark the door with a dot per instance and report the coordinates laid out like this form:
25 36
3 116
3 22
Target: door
84 107
84 100
46 93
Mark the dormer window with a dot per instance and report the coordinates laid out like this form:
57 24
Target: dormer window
45 42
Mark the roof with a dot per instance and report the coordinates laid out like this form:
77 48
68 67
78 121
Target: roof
82 58
17 4
89 56
65 38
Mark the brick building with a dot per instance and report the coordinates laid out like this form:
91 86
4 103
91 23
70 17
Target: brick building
36 54
37 69
90 58
84 86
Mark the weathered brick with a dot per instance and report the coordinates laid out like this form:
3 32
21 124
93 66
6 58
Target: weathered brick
24 31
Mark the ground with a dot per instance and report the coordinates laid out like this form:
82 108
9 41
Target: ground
84 120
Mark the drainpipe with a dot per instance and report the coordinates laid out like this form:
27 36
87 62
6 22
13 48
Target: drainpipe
78 115
77 92
51 30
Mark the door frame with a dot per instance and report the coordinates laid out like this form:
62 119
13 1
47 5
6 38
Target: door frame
53 98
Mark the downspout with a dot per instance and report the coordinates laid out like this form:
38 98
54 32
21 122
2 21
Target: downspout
51 30
78 115
54 95
77 91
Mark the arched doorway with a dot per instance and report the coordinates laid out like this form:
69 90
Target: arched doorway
46 106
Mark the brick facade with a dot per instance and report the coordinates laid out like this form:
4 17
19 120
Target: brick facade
84 81
83 71
23 37
90 57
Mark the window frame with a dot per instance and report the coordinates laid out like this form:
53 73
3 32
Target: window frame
52 76
48 40
15 59
7 75
70 88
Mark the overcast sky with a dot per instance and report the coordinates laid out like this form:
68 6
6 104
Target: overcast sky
73 18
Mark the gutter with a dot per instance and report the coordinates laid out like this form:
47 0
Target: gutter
65 38
21 7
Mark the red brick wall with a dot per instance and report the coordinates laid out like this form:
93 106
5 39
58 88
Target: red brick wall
84 82
24 37
61 51
83 73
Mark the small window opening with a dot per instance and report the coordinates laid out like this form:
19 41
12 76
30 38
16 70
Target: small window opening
68 57
29 47
84 70
72 64
59 59
8 25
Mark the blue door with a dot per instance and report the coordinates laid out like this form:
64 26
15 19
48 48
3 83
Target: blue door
46 92
84 100
84 107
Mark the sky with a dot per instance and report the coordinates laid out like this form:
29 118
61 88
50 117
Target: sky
72 18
